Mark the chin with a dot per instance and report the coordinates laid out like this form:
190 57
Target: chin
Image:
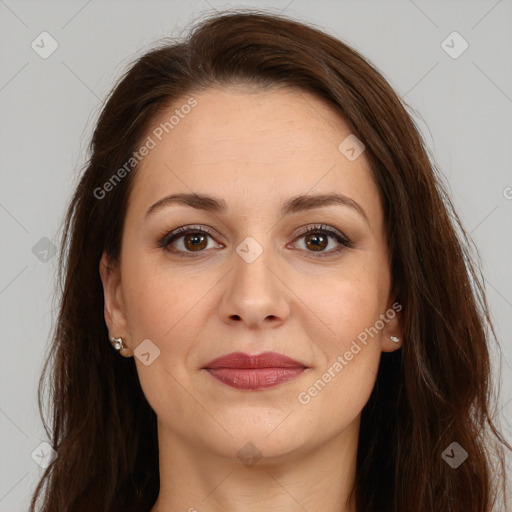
271 435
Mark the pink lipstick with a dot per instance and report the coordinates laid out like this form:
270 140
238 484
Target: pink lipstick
243 371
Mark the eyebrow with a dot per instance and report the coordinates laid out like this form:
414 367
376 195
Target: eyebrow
293 205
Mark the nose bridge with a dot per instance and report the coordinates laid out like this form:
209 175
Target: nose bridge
255 291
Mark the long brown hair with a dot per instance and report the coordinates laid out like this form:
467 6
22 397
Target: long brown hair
434 391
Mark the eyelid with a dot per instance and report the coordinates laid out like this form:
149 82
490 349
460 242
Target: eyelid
322 228
177 233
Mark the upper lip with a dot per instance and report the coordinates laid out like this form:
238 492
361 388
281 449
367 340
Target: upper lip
264 360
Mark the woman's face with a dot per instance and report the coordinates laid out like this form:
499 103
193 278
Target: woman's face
253 282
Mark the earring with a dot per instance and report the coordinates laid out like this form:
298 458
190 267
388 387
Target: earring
395 339
118 345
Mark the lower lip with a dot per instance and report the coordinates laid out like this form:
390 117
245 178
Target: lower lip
254 378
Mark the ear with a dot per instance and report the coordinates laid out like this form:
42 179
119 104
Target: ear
393 326
115 316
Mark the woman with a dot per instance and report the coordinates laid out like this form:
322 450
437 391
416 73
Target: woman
265 302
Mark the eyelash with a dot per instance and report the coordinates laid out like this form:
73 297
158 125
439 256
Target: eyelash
168 238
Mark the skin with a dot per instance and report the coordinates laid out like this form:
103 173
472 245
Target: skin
255 149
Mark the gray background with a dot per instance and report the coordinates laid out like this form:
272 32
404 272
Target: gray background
49 106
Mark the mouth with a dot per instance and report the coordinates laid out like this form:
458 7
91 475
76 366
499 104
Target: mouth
254 372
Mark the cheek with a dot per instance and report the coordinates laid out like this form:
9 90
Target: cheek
351 350
161 302
165 307
341 385
350 305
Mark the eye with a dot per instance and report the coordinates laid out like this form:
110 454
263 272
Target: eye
187 240
317 238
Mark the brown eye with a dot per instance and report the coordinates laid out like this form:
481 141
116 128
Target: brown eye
316 241
188 241
323 240
195 241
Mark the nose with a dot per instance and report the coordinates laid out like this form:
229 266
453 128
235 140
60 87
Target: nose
255 293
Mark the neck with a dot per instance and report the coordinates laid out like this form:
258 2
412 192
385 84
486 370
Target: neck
193 478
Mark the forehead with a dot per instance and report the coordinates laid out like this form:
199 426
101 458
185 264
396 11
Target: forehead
248 144
269 125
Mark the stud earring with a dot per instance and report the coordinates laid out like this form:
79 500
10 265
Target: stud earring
395 339
118 345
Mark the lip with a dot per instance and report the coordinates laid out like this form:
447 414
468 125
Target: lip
254 372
